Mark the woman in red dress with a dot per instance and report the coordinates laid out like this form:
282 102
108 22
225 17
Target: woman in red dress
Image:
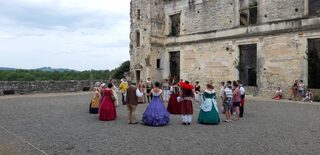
174 107
107 110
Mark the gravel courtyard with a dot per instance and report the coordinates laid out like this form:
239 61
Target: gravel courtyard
60 124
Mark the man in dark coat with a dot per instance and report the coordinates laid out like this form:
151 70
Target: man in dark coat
132 102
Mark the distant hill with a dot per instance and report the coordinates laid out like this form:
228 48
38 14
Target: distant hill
6 68
48 69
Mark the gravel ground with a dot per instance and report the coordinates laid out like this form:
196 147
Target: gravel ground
61 124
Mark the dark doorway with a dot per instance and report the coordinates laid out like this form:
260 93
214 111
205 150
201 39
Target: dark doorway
247 65
314 63
138 76
175 65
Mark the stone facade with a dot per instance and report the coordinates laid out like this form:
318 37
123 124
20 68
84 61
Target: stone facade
210 36
25 87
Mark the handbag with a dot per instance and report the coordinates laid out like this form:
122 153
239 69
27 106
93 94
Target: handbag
113 98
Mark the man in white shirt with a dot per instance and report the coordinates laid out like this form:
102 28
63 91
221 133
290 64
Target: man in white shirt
243 95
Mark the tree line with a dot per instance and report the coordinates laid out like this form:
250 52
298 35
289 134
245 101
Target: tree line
38 75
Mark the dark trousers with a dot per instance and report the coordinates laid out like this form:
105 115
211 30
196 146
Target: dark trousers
149 96
241 111
123 101
242 106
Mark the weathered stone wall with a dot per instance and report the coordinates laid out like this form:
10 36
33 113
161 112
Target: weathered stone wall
210 35
212 15
275 10
25 87
281 60
202 16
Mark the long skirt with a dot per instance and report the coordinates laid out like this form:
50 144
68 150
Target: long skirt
174 107
210 116
107 110
156 113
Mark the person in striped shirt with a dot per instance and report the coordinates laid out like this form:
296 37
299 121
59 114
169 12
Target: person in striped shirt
227 99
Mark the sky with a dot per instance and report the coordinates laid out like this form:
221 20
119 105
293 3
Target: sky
74 34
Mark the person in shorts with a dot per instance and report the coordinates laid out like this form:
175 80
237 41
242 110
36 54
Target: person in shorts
236 99
227 99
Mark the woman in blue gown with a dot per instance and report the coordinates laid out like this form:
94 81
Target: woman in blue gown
156 113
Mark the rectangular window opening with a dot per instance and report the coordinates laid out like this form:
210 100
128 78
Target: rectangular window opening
314 7
248 12
138 38
175 25
138 14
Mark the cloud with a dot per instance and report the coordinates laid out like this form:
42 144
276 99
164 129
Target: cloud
57 14
62 31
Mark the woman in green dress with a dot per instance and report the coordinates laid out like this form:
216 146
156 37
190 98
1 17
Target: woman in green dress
209 109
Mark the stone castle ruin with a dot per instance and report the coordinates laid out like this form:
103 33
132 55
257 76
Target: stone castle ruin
264 43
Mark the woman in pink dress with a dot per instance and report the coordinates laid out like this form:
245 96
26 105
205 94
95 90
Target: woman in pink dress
107 110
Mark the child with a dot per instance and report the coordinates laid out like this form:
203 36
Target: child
301 90
309 96
95 101
278 95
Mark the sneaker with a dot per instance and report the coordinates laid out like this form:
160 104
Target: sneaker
184 123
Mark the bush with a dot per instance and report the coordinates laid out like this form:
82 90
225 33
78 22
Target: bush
317 97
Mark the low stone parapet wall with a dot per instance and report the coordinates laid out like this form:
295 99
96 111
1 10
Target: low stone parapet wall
28 87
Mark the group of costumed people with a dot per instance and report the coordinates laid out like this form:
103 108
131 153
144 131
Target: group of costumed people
104 102
182 97
180 102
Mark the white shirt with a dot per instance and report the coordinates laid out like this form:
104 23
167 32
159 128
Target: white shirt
242 90
228 92
278 91
138 93
222 91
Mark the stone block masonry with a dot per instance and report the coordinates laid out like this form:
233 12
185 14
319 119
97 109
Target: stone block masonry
264 43
25 87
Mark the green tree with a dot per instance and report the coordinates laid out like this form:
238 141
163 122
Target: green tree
119 72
